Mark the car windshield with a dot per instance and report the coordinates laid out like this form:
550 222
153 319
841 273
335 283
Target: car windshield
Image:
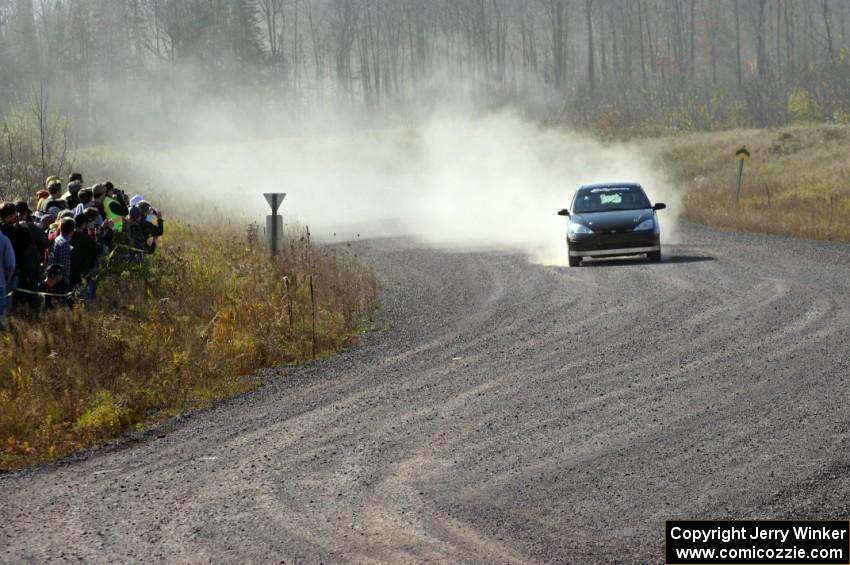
610 198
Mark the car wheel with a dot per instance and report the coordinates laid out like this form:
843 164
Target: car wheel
654 256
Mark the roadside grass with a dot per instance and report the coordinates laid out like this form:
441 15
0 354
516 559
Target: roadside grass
797 181
171 333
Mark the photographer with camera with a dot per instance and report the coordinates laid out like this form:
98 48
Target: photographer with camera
112 203
145 223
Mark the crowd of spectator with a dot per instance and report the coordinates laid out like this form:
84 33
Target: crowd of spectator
51 255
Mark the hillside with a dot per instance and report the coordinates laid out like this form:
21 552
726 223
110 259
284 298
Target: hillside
795 182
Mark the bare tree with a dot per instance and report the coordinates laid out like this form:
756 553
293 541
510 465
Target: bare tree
591 77
556 12
52 130
828 29
389 54
275 26
738 42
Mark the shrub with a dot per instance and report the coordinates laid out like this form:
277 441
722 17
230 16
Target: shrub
801 107
170 332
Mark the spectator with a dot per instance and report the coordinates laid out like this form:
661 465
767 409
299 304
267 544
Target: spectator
29 262
7 264
20 238
54 200
106 232
44 220
84 251
114 212
85 197
142 228
53 283
53 230
60 253
134 229
72 196
93 216
96 233
36 229
41 197
78 177
99 193
44 193
114 207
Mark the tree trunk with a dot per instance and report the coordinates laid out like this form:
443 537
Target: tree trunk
642 58
738 42
557 17
828 28
692 50
591 77
789 38
778 34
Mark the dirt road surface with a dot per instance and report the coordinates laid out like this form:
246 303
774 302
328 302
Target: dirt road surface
504 413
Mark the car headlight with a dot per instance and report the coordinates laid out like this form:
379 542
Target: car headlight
645 225
578 228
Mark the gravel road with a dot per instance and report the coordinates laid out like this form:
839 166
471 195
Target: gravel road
506 413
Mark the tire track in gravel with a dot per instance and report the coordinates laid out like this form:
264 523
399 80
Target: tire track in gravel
507 413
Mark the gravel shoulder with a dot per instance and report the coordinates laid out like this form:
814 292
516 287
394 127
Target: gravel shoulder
506 413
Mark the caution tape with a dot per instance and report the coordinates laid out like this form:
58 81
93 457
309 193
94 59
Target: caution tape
86 280
131 249
125 248
37 293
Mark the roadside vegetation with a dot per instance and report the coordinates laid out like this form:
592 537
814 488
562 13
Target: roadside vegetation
190 324
796 182
169 332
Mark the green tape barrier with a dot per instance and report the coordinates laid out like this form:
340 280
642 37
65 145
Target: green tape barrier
85 280
36 293
128 248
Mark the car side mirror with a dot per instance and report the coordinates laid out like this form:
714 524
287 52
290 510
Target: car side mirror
564 212
659 206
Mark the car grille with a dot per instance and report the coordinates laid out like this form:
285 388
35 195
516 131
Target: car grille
621 230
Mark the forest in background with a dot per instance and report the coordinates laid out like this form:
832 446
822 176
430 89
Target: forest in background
122 70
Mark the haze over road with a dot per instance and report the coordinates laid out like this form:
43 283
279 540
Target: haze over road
507 413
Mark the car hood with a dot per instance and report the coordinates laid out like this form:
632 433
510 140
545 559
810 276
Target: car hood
614 220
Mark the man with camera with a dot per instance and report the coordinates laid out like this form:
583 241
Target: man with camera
145 223
111 203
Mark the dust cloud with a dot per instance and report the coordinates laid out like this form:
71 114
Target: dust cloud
458 182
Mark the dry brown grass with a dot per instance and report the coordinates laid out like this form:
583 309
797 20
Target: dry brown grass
187 325
796 183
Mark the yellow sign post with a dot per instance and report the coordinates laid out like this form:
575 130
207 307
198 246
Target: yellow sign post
742 154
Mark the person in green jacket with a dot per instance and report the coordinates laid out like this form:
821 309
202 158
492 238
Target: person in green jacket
111 208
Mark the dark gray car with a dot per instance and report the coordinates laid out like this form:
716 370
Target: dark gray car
612 219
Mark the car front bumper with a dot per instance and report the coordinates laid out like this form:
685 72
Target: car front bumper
610 245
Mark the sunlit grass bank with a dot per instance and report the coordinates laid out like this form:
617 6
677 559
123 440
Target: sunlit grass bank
796 182
187 325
